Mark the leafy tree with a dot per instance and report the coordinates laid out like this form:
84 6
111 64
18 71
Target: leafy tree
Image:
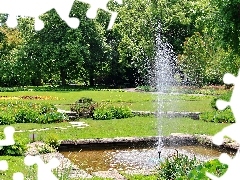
58 49
227 22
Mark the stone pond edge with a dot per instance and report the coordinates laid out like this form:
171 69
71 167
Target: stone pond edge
175 139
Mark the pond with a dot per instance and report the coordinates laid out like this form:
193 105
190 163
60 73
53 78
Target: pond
94 159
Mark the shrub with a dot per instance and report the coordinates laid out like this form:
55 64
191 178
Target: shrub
112 112
121 112
217 116
84 107
52 140
176 166
225 96
26 115
6 118
25 112
213 166
103 114
18 149
52 117
43 149
47 107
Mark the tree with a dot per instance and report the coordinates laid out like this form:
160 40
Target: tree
58 49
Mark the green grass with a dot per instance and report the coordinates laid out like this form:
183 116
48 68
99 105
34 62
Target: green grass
130 127
135 100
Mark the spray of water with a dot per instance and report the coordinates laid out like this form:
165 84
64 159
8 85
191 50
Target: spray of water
163 76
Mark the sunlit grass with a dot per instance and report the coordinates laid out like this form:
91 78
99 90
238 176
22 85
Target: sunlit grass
135 100
130 127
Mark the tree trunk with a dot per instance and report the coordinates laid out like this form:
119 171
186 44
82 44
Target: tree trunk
63 76
91 78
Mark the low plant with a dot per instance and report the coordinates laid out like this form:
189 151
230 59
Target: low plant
176 166
84 107
213 166
112 112
52 140
27 112
43 149
217 116
225 96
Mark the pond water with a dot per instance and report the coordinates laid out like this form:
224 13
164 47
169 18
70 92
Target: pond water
92 160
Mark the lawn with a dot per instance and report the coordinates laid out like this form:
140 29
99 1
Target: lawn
135 100
130 127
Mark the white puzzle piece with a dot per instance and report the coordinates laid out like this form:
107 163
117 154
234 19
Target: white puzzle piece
35 8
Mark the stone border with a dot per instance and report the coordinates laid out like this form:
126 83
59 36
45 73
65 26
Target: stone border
175 139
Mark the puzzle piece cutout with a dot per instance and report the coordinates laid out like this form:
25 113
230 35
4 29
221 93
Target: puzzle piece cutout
230 131
3 165
232 172
9 140
44 170
101 4
35 8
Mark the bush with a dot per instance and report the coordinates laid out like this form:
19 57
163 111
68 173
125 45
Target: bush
112 112
18 149
44 149
52 140
52 117
176 166
26 115
213 166
6 118
25 112
225 116
103 114
121 112
84 107
225 96
219 116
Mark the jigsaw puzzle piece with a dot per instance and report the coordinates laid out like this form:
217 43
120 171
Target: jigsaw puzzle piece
18 176
3 165
229 78
229 131
221 105
232 172
100 4
35 8
44 170
63 8
9 140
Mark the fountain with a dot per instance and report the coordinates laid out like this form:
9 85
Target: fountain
163 76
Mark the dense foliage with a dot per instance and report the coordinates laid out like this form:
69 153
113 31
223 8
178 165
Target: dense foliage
27 112
219 116
204 34
181 167
107 112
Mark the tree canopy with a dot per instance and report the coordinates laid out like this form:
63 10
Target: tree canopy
204 34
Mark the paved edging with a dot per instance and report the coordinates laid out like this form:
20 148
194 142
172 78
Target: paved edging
175 139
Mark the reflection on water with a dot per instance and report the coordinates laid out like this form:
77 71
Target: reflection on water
133 159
